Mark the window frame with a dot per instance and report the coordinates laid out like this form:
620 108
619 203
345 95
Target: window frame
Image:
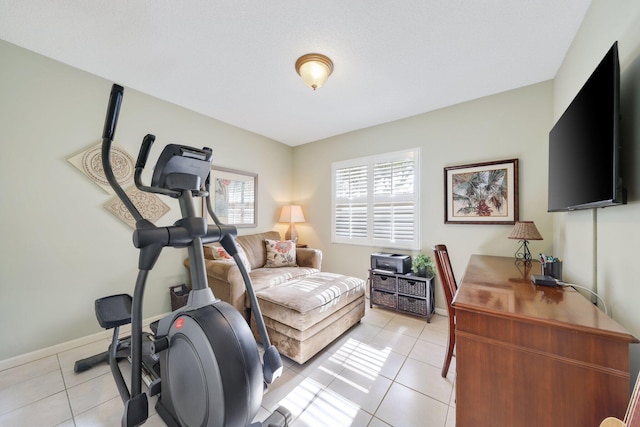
371 200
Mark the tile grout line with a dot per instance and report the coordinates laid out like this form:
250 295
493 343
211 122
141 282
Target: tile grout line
66 389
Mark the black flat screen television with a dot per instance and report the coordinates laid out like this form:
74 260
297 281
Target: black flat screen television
584 145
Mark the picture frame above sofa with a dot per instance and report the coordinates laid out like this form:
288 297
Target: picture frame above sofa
235 197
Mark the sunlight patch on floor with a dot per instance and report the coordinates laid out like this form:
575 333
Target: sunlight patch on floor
300 397
368 361
329 409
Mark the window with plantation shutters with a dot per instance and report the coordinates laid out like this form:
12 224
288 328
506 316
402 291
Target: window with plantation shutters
376 200
240 208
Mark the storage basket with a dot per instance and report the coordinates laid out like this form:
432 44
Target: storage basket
381 281
384 298
179 295
412 305
412 287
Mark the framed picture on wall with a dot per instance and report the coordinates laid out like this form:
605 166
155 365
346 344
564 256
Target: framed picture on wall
234 196
481 193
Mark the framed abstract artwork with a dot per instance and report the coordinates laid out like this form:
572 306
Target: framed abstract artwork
234 196
481 193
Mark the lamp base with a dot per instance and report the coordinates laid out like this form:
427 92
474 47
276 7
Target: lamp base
292 233
523 251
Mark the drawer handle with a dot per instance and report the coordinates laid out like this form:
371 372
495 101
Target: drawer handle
383 278
411 283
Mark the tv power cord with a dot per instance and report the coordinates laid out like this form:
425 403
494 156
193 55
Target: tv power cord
573 285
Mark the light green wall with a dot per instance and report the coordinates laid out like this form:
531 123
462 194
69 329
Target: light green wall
60 248
599 247
513 124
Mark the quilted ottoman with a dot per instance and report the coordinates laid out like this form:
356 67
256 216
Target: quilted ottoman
303 316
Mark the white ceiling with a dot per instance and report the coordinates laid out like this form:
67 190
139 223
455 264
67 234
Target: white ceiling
234 60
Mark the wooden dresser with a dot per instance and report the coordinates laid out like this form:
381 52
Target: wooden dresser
530 355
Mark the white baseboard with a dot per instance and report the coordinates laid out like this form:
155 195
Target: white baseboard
12 362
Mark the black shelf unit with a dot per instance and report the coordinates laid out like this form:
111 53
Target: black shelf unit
406 293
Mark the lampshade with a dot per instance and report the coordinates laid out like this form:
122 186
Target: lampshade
525 230
314 69
291 213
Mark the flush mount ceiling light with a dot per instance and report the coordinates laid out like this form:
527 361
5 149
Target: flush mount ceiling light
314 68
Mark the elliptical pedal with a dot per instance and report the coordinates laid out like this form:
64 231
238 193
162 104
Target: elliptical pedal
113 311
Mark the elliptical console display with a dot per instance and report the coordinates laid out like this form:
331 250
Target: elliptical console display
210 373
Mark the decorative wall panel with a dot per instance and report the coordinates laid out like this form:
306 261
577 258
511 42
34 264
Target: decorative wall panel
149 205
89 162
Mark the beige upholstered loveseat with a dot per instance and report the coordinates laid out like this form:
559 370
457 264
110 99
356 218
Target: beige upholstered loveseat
304 309
224 275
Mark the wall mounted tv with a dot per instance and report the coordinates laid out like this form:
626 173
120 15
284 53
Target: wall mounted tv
584 145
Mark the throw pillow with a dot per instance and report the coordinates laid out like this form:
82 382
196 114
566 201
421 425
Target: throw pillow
280 253
220 253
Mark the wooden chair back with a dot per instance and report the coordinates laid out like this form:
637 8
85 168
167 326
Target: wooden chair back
446 275
450 288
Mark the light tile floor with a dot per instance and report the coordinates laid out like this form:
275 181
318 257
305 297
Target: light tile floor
385 371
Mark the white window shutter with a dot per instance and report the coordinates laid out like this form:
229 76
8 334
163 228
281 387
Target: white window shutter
376 200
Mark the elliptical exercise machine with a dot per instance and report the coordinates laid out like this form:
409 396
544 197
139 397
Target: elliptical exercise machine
210 372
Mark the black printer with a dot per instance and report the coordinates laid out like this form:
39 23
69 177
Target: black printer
393 263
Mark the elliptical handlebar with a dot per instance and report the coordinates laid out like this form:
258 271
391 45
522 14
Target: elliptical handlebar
272 363
113 110
110 124
182 234
145 149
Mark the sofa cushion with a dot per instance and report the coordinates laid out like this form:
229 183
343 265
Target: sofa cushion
253 245
280 253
